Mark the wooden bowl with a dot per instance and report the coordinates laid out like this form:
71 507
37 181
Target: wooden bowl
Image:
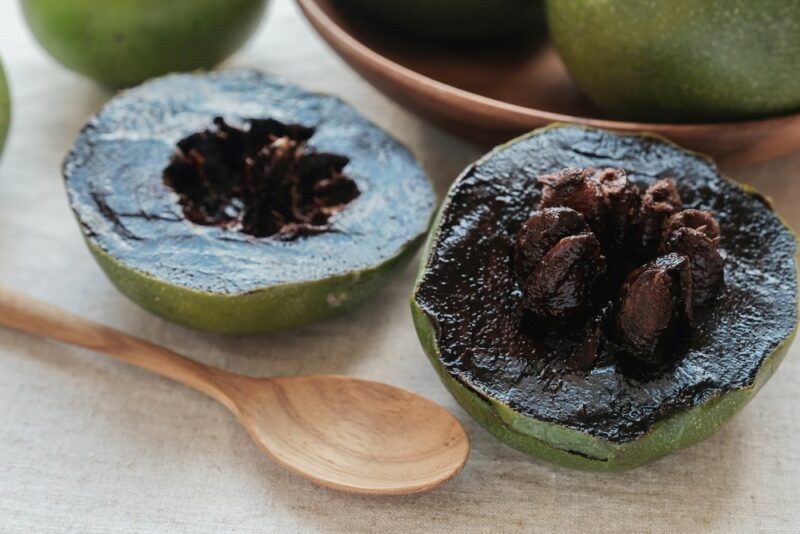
493 94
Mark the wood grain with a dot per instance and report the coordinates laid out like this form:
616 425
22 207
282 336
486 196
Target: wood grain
340 432
354 435
492 95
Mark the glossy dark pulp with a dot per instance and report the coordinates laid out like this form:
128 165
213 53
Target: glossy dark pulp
261 179
115 180
469 291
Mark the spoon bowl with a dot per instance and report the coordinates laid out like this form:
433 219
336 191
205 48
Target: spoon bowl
340 432
351 434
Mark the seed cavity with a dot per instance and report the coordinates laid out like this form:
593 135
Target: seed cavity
261 179
629 268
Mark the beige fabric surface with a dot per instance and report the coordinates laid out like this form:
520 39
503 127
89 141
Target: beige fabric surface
90 445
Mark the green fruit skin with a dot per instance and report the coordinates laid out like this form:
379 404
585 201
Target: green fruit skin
124 42
572 448
5 108
682 60
458 20
270 309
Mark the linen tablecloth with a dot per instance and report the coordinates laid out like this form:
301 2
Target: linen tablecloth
91 445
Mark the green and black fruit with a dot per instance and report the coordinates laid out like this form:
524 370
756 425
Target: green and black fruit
237 203
601 300
682 60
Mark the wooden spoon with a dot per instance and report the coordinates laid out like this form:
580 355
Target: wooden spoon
340 432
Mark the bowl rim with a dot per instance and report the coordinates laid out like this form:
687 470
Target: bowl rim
514 115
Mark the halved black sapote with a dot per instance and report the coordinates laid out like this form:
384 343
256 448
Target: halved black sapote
235 202
601 300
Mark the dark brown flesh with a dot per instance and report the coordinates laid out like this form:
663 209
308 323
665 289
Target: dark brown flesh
471 295
705 260
541 232
660 202
655 305
262 179
562 285
630 266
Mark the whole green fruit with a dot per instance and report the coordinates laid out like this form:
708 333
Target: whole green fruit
677 60
123 42
457 20
5 108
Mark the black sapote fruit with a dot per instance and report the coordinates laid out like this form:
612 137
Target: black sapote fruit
681 60
601 300
124 43
237 203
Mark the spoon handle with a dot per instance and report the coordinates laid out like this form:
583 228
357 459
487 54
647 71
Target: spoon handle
24 313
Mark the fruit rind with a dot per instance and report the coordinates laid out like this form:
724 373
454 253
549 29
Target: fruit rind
272 308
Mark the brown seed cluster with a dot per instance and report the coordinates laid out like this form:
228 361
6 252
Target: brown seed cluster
596 238
261 180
